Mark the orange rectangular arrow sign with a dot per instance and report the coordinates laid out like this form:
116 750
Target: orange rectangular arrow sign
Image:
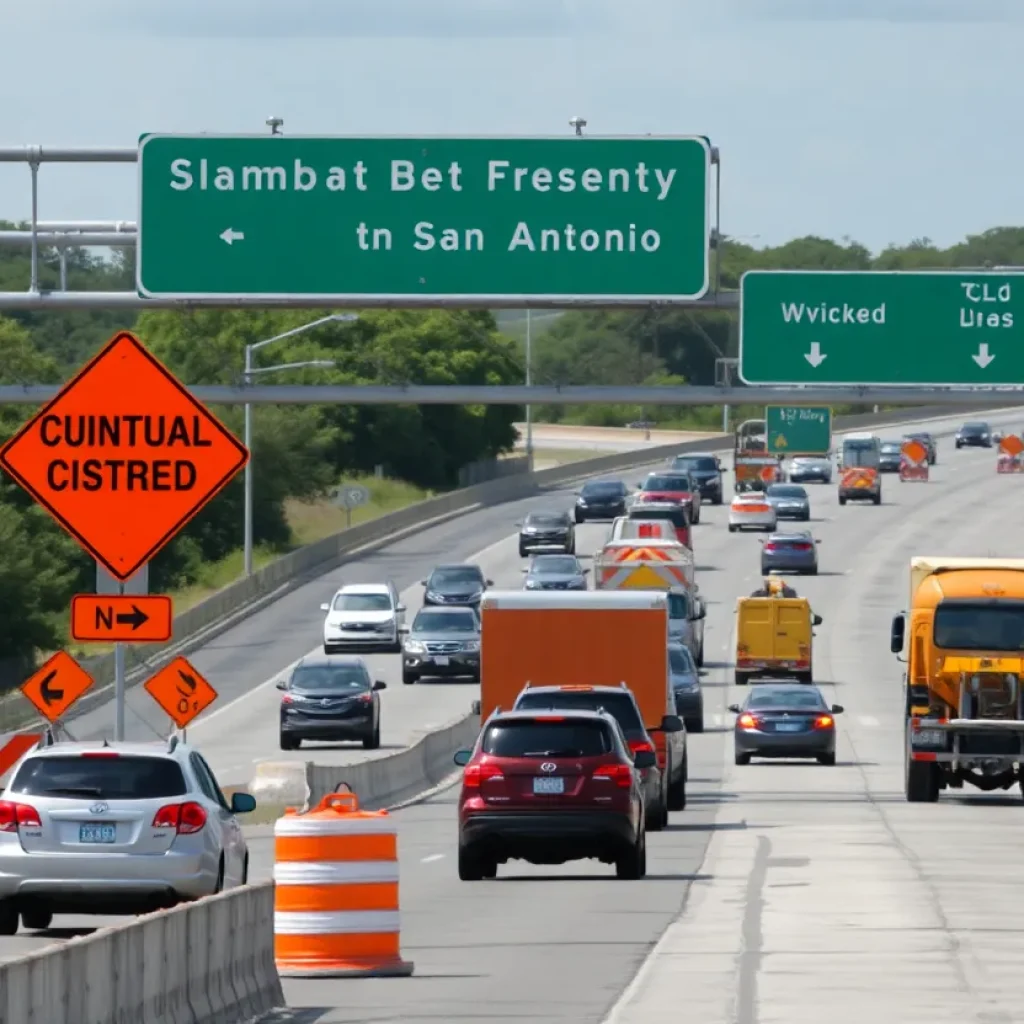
97 618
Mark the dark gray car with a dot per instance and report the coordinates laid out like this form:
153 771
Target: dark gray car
785 720
686 687
555 572
442 642
547 531
330 697
601 499
790 501
790 552
455 585
890 456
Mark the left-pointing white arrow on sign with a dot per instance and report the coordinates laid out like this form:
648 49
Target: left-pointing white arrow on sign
231 236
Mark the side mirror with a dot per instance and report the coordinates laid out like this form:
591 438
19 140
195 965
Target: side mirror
462 757
898 634
672 723
380 685
489 583
400 608
644 759
423 583
816 620
837 709
242 803
325 607
520 525
525 569
735 708
474 708
281 685
583 571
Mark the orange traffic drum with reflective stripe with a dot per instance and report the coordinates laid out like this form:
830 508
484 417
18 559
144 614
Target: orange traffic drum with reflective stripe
336 892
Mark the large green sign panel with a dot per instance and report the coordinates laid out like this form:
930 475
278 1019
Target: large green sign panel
932 328
476 219
798 429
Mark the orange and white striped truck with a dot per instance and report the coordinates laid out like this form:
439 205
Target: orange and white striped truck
962 641
860 476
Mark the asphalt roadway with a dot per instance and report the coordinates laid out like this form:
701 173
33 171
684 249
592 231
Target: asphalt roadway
806 891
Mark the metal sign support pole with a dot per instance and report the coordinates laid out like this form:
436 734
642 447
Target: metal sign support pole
119 685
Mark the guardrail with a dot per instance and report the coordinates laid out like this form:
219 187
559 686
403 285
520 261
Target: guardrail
220 611
201 963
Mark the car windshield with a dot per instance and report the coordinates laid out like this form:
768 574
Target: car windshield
701 463
429 621
983 627
678 606
618 705
786 491
548 739
676 516
330 677
786 698
362 603
891 448
681 661
564 565
667 483
603 490
114 777
546 519
975 428
468 574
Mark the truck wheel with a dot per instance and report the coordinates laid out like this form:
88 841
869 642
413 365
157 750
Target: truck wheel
842 500
741 679
805 677
876 499
922 782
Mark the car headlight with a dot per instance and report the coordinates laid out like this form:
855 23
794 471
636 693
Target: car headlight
414 647
471 646
532 585
581 501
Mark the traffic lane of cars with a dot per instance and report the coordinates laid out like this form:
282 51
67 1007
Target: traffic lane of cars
915 885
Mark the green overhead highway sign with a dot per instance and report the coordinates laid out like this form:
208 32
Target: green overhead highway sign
481 220
798 429
921 328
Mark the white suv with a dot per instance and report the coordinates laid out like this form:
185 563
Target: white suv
92 828
362 616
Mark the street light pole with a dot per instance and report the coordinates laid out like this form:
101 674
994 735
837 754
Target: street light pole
247 375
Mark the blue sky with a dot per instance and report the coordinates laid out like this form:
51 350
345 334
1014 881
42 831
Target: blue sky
880 120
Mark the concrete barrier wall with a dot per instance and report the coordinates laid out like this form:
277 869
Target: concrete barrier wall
208 962
217 613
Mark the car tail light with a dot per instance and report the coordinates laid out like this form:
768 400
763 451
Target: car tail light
13 816
747 721
637 745
622 774
803 547
771 547
187 818
824 722
477 773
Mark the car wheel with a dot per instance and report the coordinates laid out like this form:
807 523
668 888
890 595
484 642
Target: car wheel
290 742
876 499
470 868
578 518
396 647
657 817
372 742
742 758
245 870
805 677
741 679
842 500
700 657
409 678
812 572
677 792
218 886
732 529
695 724
828 759
632 863
490 869
37 920
8 917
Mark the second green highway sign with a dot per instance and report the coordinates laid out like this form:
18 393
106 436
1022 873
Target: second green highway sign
798 429
926 328
476 219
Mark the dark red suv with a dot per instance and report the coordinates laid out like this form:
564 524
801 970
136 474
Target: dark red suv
550 788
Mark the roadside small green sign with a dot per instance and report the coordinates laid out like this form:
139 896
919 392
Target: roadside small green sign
798 429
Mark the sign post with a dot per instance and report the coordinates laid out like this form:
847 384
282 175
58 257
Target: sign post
798 430
919 328
462 221
122 457
349 497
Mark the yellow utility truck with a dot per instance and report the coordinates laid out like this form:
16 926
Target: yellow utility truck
773 638
962 640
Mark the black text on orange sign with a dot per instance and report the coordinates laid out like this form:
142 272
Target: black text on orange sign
121 618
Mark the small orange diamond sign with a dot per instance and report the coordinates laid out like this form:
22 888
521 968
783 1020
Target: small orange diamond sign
57 685
181 691
123 457
914 452
1012 445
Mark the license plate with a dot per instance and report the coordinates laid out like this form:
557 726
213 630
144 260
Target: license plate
97 833
928 738
547 785
789 726
441 659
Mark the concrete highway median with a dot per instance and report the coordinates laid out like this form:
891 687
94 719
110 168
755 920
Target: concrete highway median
797 882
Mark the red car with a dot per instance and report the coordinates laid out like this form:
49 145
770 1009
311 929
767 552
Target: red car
675 487
550 788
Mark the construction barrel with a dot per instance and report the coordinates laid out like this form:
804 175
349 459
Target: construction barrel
336 909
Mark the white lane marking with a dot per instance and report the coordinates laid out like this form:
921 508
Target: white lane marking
869 720
432 858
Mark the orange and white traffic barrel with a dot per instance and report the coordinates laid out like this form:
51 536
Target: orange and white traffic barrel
336 893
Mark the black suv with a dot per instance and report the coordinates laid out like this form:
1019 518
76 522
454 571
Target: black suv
705 471
974 435
601 499
547 531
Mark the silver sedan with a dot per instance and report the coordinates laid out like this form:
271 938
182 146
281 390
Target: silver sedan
790 501
790 552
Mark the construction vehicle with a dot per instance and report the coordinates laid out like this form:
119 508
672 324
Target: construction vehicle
644 563
754 468
963 639
860 474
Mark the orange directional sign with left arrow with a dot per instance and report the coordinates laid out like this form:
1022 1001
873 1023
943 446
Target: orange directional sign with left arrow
57 685
97 618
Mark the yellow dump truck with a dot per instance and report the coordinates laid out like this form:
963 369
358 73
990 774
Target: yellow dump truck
962 640
773 638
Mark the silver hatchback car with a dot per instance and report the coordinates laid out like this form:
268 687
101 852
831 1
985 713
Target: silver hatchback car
92 828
